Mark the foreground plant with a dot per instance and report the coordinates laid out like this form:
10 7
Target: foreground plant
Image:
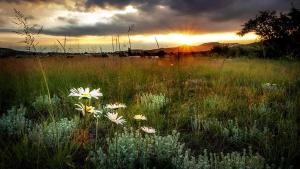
54 133
269 86
113 117
130 150
14 123
115 106
148 130
87 109
85 93
152 103
45 104
140 117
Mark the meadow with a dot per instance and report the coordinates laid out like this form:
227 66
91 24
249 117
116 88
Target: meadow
207 113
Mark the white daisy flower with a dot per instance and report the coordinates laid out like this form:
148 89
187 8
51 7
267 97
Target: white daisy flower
114 118
84 108
148 130
139 117
85 93
115 106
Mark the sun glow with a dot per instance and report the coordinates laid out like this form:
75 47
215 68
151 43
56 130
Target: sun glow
138 41
188 39
174 38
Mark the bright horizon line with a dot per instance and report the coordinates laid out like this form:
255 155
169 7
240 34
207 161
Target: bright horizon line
143 41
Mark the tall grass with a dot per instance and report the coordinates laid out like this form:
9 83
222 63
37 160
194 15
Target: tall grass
216 104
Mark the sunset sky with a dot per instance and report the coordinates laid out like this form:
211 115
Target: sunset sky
90 24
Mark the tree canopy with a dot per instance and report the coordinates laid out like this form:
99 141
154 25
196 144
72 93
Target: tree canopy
278 31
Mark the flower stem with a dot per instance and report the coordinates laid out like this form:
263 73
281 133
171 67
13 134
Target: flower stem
96 133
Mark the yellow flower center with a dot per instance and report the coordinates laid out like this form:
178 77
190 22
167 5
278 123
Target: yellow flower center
85 94
88 108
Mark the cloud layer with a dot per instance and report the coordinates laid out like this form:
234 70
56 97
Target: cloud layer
152 16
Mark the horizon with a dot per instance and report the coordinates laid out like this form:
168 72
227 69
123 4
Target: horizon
92 24
107 48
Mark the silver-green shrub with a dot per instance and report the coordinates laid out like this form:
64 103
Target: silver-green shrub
152 103
133 150
229 129
219 161
14 123
44 104
54 133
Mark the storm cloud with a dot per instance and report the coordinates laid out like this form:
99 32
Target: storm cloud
160 16
229 9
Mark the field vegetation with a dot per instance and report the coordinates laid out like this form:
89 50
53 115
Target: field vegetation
200 113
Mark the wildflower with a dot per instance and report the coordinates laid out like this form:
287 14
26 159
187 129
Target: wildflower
269 86
148 130
115 106
114 118
139 117
85 93
84 108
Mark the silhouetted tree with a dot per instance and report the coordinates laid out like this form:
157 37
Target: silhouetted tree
294 28
220 50
279 32
161 53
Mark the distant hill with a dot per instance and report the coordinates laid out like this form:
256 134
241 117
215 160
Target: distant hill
6 52
189 49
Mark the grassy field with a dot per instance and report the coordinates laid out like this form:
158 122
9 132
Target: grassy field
246 108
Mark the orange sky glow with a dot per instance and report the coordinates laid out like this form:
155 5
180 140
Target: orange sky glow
146 41
93 25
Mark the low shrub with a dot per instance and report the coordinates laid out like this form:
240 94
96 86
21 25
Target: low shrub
54 133
230 130
14 123
220 161
153 103
133 150
44 104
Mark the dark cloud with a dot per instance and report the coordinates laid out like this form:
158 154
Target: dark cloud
146 24
32 1
216 9
199 16
122 3
159 16
242 10
193 7
73 21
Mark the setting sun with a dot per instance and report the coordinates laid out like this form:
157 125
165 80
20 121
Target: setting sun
195 39
179 38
